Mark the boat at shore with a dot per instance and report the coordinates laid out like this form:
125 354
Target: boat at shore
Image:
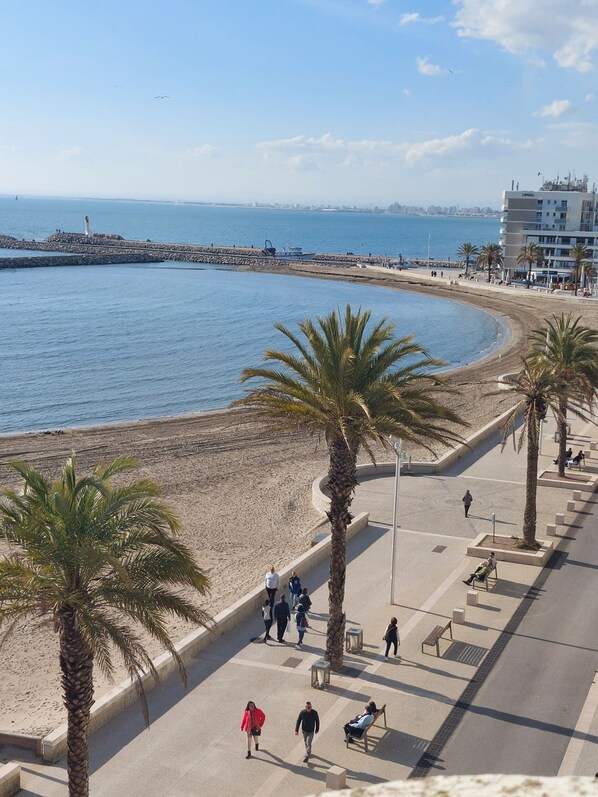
294 253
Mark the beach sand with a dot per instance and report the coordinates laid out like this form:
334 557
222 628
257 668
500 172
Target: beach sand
242 493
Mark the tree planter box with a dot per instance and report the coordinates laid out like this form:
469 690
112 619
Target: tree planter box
482 546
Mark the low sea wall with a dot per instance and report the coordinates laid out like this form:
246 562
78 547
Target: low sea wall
75 260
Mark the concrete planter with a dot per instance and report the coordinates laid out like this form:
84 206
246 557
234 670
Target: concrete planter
482 546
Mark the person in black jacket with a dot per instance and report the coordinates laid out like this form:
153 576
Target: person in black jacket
282 615
309 722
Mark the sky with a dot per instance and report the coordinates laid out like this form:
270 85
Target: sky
344 102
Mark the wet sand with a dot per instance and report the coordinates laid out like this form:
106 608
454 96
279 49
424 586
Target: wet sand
242 494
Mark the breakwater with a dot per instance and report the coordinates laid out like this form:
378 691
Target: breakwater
75 260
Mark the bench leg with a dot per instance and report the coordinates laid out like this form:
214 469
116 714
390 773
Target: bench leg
438 648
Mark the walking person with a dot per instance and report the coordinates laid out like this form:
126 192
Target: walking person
302 624
467 501
305 600
282 615
272 581
391 637
294 588
309 722
267 618
252 723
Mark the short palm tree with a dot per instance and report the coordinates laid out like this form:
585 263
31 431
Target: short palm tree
534 389
490 256
582 258
357 386
93 560
467 251
532 255
570 351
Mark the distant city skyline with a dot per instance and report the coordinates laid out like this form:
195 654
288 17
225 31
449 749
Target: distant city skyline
311 102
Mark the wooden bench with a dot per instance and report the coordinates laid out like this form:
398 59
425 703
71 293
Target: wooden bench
484 581
434 636
364 736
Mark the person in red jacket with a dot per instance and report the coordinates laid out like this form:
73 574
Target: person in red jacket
252 723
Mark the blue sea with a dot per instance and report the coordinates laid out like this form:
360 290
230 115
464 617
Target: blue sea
83 346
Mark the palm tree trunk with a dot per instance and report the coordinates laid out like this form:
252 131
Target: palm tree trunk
489 269
341 484
76 663
562 427
531 489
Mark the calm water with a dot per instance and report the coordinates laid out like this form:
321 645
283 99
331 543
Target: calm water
360 233
91 345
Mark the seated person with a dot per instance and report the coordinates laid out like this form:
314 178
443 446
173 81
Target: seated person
355 729
482 570
576 460
568 455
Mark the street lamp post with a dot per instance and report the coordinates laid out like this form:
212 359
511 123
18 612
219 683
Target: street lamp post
397 448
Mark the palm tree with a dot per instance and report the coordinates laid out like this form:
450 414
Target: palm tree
534 388
531 254
467 251
490 255
357 386
570 351
91 559
582 258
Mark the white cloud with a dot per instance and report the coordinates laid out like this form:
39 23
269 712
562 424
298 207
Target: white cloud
406 92
408 19
589 97
70 154
203 151
303 153
555 109
376 2
569 31
424 67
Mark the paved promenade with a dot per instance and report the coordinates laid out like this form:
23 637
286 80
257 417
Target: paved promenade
195 746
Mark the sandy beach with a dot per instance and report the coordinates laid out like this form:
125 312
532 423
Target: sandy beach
242 494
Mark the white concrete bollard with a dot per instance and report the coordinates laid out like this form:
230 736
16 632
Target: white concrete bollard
587 453
336 778
559 519
551 529
570 506
472 597
577 495
593 446
459 616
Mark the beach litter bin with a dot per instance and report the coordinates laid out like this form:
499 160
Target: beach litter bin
320 674
354 639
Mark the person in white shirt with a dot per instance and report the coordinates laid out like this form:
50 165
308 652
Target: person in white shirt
272 580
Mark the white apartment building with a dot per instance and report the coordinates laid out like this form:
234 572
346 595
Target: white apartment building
560 214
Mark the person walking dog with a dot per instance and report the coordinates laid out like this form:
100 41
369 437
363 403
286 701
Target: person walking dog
309 722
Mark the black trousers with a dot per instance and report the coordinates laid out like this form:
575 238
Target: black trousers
357 733
268 624
271 596
281 626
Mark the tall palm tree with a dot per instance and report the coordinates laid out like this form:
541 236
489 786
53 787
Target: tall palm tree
467 251
490 256
570 351
91 560
534 388
582 257
357 386
531 255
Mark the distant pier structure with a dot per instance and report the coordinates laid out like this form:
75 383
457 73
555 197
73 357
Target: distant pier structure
87 228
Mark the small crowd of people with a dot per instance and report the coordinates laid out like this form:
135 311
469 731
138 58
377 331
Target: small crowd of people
308 722
280 611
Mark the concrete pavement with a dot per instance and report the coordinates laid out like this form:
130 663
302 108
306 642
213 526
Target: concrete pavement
195 745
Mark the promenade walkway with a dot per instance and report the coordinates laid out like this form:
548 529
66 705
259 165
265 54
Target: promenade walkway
195 746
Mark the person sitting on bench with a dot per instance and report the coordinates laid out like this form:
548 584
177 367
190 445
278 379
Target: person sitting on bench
576 460
481 572
568 455
355 729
